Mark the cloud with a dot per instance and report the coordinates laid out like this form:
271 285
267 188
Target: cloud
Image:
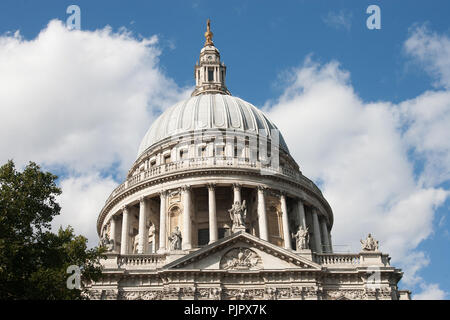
81 201
80 102
430 292
431 51
359 151
338 20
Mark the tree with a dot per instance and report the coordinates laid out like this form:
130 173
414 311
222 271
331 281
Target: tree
33 260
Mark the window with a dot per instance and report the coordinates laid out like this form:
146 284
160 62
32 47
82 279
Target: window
220 150
183 154
167 158
203 237
210 74
223 232
203 151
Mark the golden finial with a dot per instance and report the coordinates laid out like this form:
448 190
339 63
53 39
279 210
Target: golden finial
208 34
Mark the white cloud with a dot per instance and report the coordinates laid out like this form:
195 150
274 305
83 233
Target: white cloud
81 201
428 118
432 51
338 20
80 101
359 153
430 292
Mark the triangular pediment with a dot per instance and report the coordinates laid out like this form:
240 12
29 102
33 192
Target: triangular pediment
239 252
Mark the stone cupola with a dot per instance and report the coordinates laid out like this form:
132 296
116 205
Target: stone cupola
210 72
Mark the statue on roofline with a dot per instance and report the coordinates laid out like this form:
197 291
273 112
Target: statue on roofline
370 244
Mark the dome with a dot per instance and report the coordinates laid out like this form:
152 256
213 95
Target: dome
209 112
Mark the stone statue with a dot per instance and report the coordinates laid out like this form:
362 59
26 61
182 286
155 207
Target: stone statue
238 213
136 243
107 243
301 238
370 244
175 239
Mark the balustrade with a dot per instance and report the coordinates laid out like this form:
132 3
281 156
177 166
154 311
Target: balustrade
205 163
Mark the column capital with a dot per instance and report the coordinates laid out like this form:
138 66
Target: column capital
211 186
163 193
124 208
186 188
282 193
262 188
141 199
237 186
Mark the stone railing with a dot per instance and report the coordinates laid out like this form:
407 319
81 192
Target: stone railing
138 261
345 259
362 259
208 163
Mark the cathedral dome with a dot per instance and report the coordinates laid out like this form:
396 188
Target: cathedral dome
209 112
214 202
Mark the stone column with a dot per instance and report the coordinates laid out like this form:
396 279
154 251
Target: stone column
301 213
331 243
125 231
236 192
186 237
143 237
262 218
213 232
284 218
162 222
113 232
325 236
316 228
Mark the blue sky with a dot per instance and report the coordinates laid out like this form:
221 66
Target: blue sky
265 44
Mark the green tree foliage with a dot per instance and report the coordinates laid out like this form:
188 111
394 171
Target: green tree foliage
33 260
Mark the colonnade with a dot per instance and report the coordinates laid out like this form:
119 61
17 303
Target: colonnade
320 240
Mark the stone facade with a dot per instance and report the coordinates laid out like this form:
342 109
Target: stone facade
215 207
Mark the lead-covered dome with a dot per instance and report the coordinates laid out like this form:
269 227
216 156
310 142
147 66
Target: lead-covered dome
209 111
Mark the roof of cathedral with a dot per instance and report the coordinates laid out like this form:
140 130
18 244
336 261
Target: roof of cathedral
211 106
209 111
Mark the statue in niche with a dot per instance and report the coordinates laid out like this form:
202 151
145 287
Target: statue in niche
151 237
175 239
151 232
301 238
238 213
107 243
135 243
370 244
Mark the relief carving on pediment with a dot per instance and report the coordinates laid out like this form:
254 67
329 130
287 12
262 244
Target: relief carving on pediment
241 259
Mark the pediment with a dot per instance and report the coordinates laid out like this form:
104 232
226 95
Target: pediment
242 252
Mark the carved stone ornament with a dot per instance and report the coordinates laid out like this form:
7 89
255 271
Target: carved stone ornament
301 238
238 214
346 295
241 259
140 295
370 244
209 293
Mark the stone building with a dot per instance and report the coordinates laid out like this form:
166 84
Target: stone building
215 207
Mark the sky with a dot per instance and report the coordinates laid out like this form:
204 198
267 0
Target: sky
365 112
